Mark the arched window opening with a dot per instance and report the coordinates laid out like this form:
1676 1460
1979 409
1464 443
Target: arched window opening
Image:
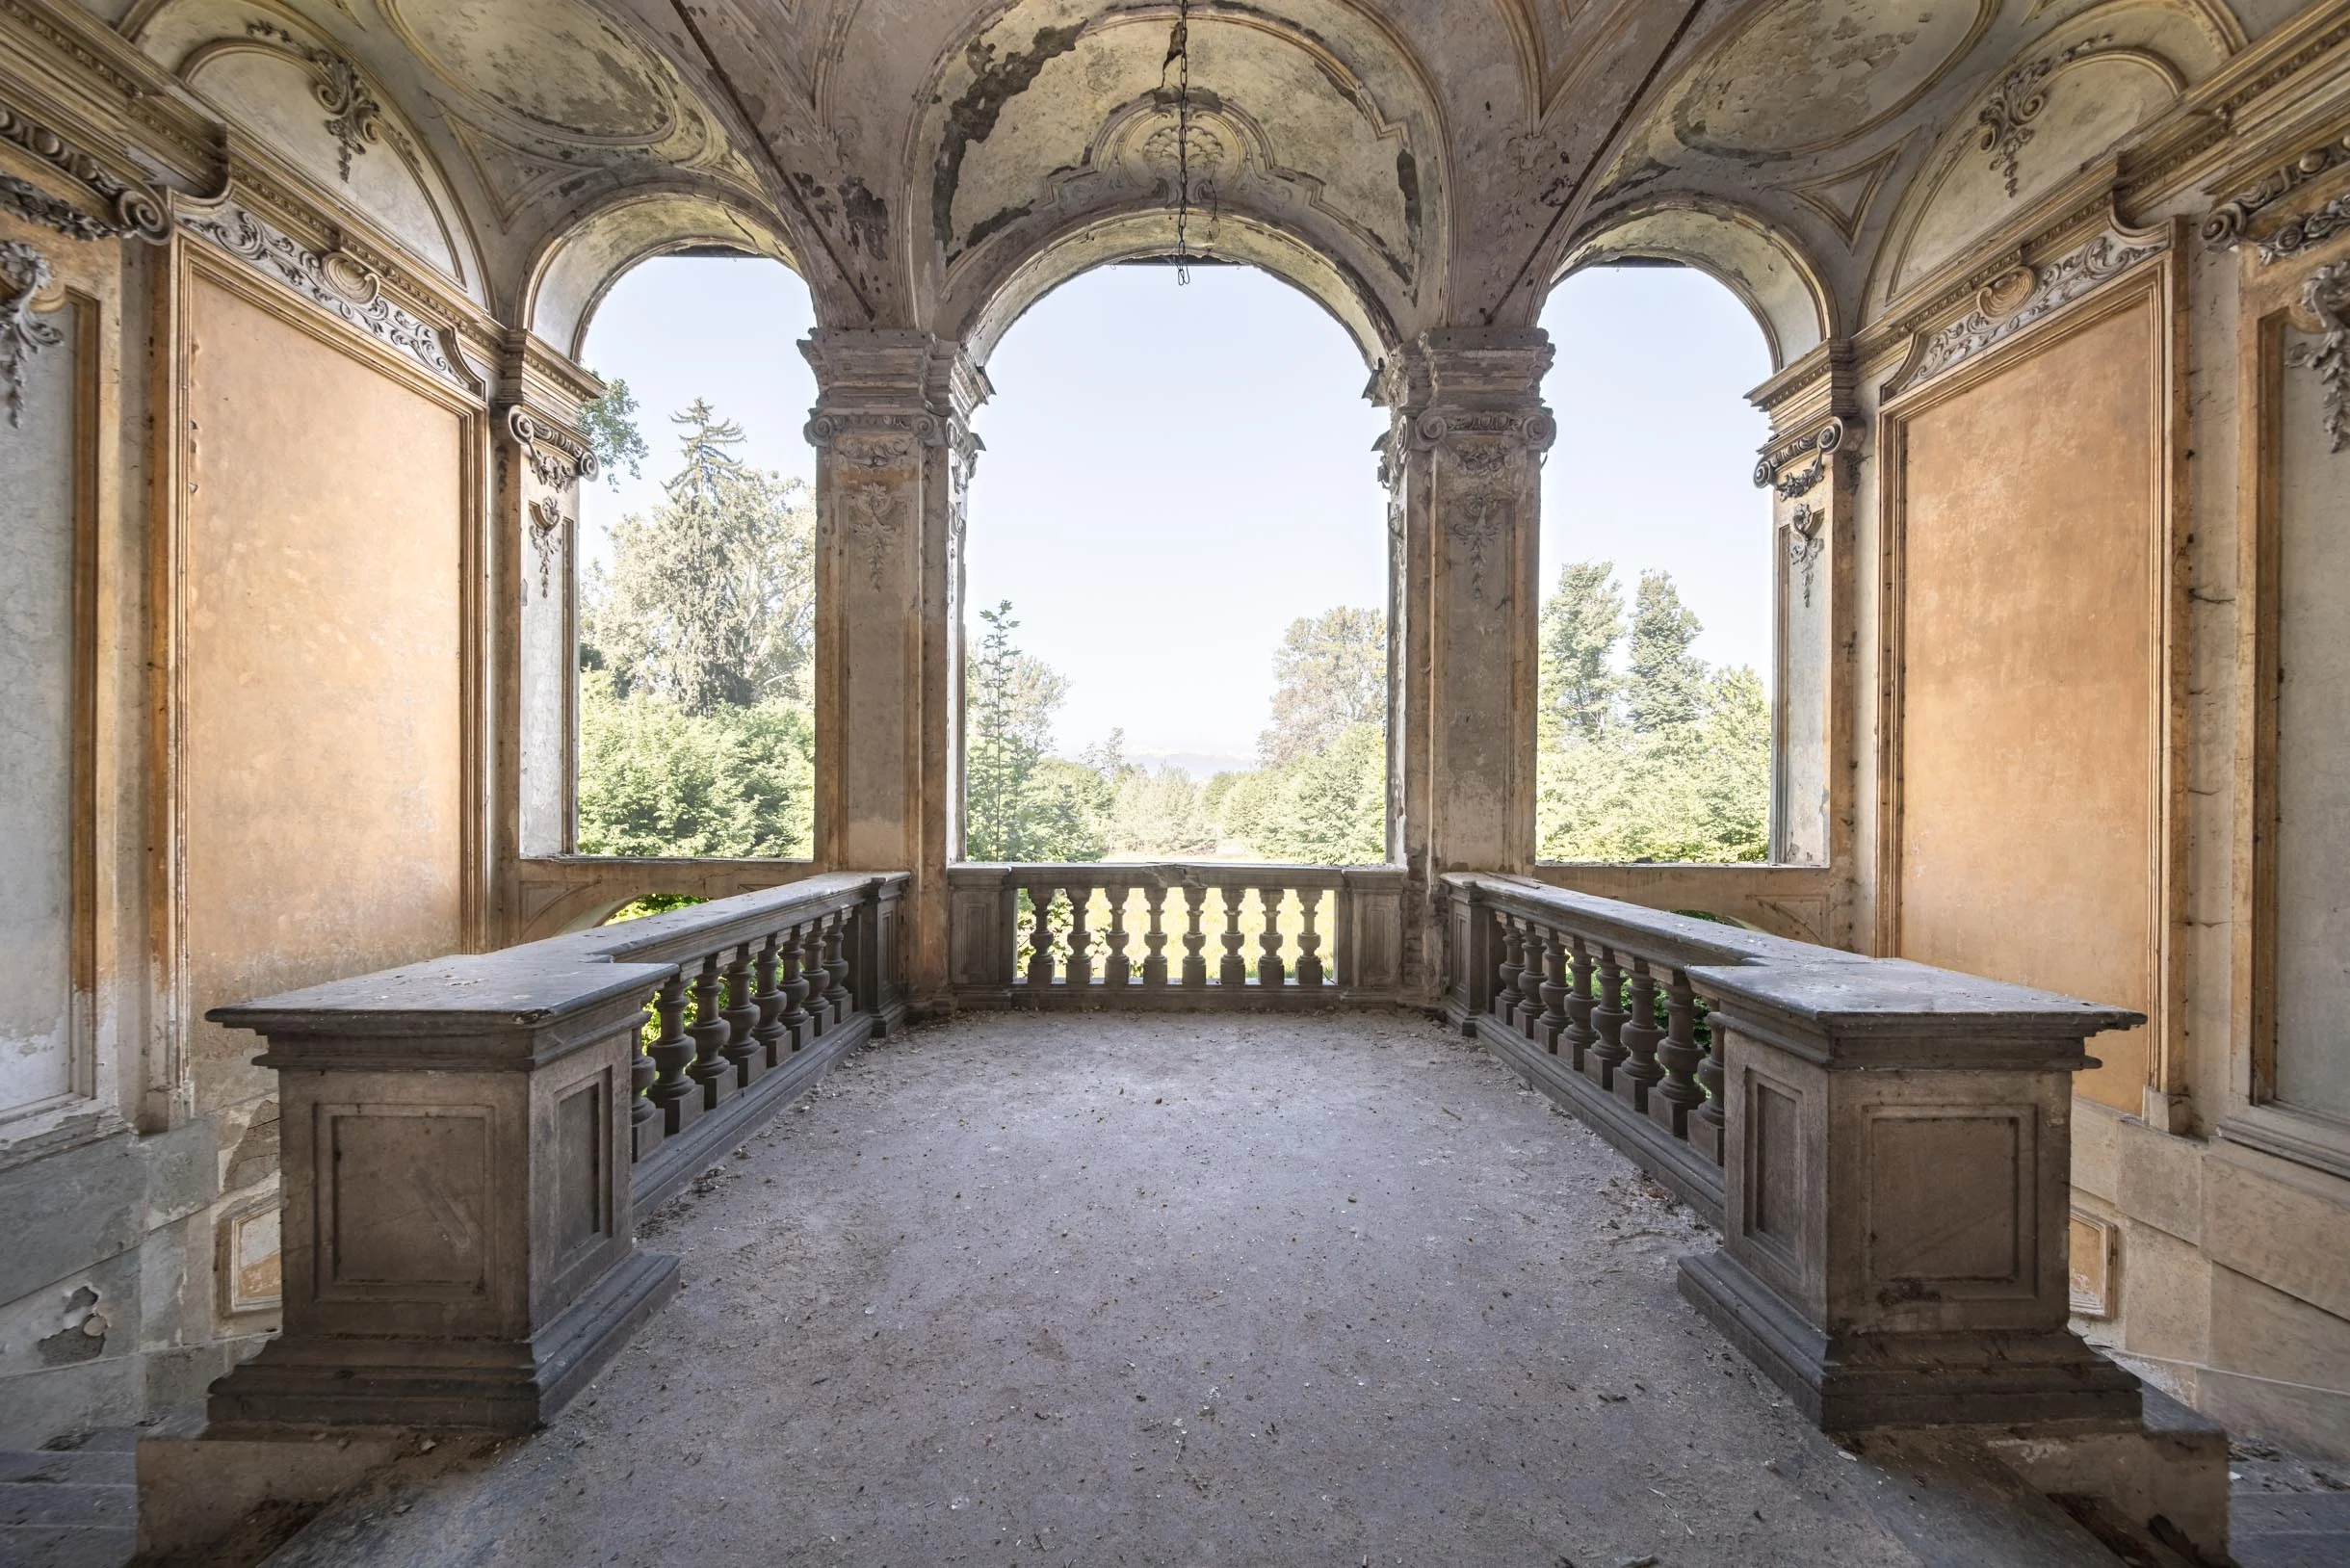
696 570
1653 723
1175 629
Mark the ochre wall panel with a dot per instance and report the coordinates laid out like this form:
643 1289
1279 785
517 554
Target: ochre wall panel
2030 678
322 748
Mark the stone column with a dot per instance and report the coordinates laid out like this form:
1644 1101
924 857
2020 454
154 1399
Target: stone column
893 451
1462 460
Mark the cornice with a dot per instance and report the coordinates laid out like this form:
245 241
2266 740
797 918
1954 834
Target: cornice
129 207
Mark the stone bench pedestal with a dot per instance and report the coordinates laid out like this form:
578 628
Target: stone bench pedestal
460 1247
1896 1193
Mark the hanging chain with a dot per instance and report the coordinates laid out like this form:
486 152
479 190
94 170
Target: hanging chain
1179 49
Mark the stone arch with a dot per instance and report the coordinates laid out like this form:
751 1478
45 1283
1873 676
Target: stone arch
1754 260
1317 144
981 319
576 267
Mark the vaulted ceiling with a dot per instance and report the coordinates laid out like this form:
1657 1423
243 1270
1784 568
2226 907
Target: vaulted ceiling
1412 163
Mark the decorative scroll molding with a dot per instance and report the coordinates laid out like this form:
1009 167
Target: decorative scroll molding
336 282
2017 101
2308 229
1835 436
25 272
824 428
2226 224
1528 431
2326 295
546 540
2020 297
131 210
354 117
556 456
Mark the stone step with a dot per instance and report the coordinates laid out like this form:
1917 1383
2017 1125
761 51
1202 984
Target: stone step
72 1507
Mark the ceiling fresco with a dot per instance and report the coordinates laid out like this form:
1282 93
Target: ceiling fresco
937 164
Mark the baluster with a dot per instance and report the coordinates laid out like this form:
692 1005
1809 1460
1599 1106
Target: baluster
796 1016
1607 1020
1115 969
1579 1033
1155 940
1040 937
1551 1022
741 1016
1234 969
812 964
1705 1130
1309 940
1679 1094
1513 964
711 1069
767 1033
1639 1072
642 1111
673 1090
837 995
1194 965
1270 970
1081 941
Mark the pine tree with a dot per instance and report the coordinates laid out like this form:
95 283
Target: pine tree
1665 685
1582 624
1329 675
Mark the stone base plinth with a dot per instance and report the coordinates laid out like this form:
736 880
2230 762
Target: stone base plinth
1847 1382
308 1381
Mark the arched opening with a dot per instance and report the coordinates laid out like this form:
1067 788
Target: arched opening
1655 717
696 570
1175 581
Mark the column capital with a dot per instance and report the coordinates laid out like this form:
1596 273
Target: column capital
1459 382
892 380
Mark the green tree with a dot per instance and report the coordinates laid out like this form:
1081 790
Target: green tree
1329 675
1665 685
609 420
1328 808
656 780
1019 804
710 600
1582 624
1686 776
695 735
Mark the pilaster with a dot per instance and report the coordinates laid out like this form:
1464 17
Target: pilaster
894 451
1463 463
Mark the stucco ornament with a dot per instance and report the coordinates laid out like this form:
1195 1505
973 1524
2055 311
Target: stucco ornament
2326 295
876 513
25 272
546 537
2017 101
1994 319
132 211
354 117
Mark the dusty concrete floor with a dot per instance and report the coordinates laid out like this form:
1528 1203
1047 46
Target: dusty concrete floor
1177 1290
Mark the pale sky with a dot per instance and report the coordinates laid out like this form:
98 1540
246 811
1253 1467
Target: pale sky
1174 474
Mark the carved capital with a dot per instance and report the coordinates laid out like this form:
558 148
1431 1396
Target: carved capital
130 210
874 437
1499 430
25 272
557 454
1794 466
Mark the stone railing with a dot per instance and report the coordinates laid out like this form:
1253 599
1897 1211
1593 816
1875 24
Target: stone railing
1174 934
1886 1147
466 1143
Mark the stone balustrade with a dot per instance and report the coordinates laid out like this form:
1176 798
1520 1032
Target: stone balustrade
1886 1147
466 1143
1174 934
